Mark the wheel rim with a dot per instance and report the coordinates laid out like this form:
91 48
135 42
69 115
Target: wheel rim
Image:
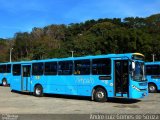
152 88
100 94
4 83
38 91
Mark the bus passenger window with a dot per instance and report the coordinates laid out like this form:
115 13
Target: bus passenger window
2 68
77 72
37 68
65 67
50 68
26 71
8 69
82 67
101 66
16 69
153 69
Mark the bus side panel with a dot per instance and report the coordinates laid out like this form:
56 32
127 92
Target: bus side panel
107 84
87 83
60 85
71 90
154 80
84 90
16 83
65 84
8 76
37 80
83 83
1 77
57 89
49 85
55 84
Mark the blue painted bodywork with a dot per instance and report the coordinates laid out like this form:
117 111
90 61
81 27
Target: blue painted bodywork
82 85
7 76
153 78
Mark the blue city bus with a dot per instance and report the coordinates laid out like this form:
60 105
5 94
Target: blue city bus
153 76
5 73
100 76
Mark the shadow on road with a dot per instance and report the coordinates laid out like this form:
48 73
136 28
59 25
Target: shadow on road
110 100
123 100
22 93
68 97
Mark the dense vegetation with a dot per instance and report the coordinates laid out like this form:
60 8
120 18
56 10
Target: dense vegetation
92 37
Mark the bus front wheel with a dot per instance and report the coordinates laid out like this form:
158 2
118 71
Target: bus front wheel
152 88
100 95
38 91
4 82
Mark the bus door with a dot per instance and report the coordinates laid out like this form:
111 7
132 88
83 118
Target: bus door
25 82
121 79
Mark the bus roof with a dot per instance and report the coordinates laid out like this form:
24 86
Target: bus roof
5 63
128 55
25 62
124 56
152 63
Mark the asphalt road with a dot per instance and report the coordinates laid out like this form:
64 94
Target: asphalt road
13 103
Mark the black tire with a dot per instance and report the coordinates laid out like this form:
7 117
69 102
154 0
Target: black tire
100 95
152 88
38 91
4 82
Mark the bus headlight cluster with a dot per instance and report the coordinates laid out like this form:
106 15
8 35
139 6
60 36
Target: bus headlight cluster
134 87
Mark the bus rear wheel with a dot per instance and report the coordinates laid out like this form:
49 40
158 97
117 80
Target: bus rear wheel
100 95
152 88
4 82
38 91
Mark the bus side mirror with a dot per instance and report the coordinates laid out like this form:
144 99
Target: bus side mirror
133 65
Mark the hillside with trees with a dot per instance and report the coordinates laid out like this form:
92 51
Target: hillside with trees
92 37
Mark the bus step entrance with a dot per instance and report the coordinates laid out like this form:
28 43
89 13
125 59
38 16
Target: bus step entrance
121 78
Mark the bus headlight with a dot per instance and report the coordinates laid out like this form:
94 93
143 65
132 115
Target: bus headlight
134 87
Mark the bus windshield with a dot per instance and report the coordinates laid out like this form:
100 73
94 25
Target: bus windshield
139 73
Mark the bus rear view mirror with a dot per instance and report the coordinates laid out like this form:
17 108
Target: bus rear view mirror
133 65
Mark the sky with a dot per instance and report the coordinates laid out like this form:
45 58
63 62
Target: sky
23 15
